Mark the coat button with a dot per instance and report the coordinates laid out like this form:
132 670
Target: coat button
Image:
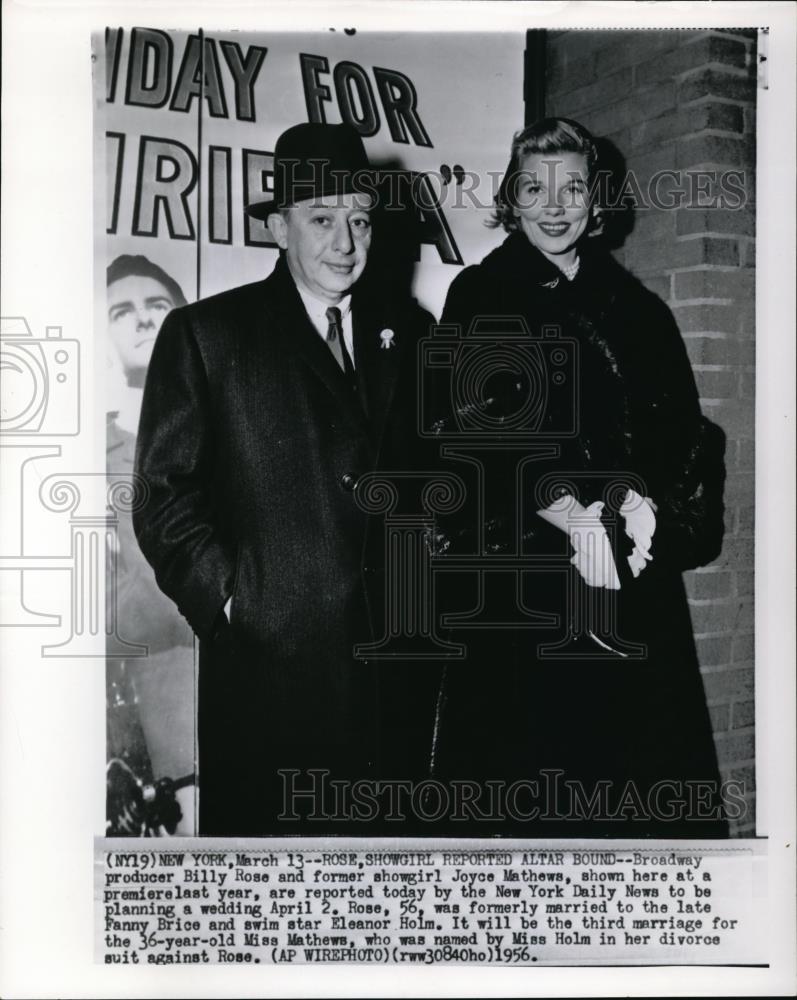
347 481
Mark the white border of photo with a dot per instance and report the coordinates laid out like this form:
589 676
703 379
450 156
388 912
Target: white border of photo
52 713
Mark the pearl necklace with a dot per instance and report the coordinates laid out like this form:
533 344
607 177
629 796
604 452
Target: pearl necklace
572 271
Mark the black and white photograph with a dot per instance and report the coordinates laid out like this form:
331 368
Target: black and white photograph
399 550
398 498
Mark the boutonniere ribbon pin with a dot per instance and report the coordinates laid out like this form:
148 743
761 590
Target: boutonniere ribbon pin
386 336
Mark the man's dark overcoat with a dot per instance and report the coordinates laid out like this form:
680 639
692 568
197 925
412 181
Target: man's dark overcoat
251 444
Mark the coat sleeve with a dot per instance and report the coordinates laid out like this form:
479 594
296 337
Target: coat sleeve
682 453
690 521
665 410
175 525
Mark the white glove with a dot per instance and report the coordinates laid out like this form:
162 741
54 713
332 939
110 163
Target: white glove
638 560
640 525
593 553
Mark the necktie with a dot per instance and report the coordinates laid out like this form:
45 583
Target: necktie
337 344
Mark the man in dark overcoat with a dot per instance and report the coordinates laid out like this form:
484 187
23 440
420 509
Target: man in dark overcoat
264 407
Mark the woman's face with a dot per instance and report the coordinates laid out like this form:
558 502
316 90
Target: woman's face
552 201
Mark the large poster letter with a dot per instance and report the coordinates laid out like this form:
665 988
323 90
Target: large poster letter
113 50
166 176
188 84
115 146
149 70
245 70
258 177
436 229
220 194
400 102
314 91
351 79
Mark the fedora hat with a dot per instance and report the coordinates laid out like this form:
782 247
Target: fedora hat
312 160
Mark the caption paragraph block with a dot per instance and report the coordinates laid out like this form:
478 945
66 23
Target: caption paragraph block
298 902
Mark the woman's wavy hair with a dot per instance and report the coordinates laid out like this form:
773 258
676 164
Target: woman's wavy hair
548 135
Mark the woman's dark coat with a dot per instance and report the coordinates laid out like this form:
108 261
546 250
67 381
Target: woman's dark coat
508 711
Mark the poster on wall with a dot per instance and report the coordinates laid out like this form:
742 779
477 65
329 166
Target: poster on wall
392 569
186 126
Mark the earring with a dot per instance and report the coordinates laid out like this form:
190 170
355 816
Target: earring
597 222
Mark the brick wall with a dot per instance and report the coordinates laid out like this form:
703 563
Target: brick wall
685 100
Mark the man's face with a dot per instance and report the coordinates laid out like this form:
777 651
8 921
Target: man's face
326 241
136 308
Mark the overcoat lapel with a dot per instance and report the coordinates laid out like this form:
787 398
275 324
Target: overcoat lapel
300 337
377 366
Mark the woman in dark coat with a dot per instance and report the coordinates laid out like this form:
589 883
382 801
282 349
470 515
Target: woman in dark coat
610 698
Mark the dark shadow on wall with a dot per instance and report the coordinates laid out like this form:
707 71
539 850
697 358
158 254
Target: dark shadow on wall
617 215
399 229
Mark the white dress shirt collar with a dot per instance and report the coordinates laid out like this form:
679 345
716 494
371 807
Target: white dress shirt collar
317 311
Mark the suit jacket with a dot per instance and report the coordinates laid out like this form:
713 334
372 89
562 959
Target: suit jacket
252 443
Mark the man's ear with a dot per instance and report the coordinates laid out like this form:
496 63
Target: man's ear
278 228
